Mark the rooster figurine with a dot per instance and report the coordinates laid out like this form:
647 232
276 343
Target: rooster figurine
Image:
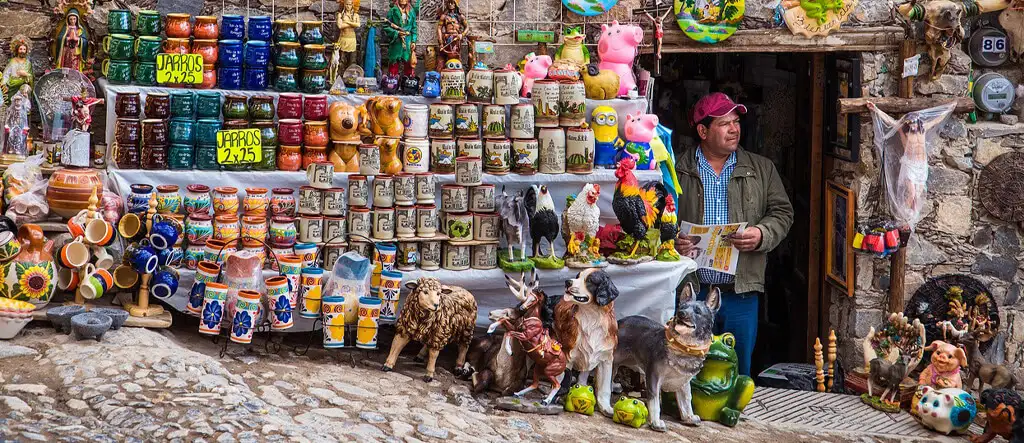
637 209
580 222
669 230
543 225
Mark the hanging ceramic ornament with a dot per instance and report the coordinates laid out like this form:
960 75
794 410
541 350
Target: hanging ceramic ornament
589 8
709 21
811 19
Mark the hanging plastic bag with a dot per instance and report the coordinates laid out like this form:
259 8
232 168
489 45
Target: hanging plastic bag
350 278
903 146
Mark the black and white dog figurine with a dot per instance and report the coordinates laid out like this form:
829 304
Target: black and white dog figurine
669 355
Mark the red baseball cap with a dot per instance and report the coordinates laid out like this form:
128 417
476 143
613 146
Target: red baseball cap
715 104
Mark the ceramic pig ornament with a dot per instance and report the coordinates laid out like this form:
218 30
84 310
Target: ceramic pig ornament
639 130
617 47
946 410
536 68
944 370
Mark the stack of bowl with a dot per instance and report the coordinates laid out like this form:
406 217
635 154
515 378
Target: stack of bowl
14 315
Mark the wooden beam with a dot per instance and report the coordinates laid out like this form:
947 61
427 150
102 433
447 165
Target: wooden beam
853 39
898 261
900 105
817 302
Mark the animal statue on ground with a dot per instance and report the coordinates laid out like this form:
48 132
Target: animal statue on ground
888 375
549 360
436 315
979 369
1002 407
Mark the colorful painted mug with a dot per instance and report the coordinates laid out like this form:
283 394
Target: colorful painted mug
310 292
277 292
214 298
206 275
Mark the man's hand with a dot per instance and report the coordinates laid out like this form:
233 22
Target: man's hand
748 240
683 244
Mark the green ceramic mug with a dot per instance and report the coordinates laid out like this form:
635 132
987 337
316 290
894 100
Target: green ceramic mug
119 21
147 47
145 73
148 23
118 72
119 46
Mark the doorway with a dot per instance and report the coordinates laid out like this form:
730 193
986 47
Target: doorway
783 108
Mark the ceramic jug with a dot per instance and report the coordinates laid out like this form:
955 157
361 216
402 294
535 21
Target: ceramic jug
31 276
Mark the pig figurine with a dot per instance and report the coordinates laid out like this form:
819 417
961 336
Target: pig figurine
639 131
946 410
536 68
617 48
944 370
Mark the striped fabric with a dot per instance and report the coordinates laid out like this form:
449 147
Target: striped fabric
716 206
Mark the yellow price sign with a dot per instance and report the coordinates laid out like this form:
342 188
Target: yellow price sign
239 146
179 68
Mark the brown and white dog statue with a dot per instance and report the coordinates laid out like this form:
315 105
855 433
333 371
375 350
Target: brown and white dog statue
585 325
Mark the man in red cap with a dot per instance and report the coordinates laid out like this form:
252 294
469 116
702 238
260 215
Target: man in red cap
722 184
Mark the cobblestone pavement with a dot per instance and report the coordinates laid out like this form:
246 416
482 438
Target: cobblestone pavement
143 385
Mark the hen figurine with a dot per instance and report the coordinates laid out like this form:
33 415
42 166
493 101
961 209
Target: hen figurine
637 209
580 223
515 220
543 225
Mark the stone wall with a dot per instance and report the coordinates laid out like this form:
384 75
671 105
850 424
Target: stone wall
957 235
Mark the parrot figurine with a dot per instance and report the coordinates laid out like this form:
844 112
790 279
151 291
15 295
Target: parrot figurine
666 160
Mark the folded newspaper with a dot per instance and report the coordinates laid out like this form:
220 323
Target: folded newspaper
712 249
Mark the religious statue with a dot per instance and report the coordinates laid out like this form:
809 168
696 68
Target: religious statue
451 31
401 34
348 21
15 135
70 46
18 71
82 111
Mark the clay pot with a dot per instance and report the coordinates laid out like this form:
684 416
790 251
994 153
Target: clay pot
207 49
315 133
206 27
69 190
178 26
289 158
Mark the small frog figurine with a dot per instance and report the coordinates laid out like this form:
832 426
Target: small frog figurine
719 392
630 412
580 399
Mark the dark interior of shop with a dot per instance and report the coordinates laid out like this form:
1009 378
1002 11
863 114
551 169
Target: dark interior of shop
776 90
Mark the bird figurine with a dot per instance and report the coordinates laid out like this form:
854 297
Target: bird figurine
669 230
580 223
515 220
637 208
543 225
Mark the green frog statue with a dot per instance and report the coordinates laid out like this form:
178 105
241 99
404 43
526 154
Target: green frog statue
719 392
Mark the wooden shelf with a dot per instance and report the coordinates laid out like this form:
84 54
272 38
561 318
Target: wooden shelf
853 39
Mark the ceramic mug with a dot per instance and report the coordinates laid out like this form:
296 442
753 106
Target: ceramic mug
232 26
311 228
74 253
143 259
99 232
214 298
91 287
359 222
282 231
119 47
280 305
291 267
148 23
103 258
194 254
147 47
310 291
481 198
426 221
334 229
369 318
425 188
9 246
118 72
257 54
144 73
334 201
164 283
306 252
230 54
130 227
311 200
119 21
333 308
68 279
206 275
383 191
358 191
320 175
125 276
165 233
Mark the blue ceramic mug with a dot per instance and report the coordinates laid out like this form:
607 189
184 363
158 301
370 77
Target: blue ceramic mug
164 233
143 259
232 27
183 131
255 79
257 54
138 200
229 78
206 130
260 28
164 283
229 53
164 257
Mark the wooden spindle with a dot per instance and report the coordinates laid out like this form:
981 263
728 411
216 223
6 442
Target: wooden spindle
831 358
818 363
142 307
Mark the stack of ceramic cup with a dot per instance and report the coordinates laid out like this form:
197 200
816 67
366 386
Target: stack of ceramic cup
360 224
155 130
486 227
281 232
314 58
147 41
415 145
236 116
85 259
169 206
207 125
525 150
119 46
262 111
230 52
205 32
198 223
182 128
178 28
290 131
257 53
319 203
442 142
127 130
457 223
287 56
315 132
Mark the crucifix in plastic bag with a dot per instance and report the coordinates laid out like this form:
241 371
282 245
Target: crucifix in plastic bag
902 145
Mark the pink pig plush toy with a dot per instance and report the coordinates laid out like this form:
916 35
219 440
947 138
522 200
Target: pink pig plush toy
617 48
536 68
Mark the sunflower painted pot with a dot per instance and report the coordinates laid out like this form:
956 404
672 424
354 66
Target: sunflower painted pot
31 276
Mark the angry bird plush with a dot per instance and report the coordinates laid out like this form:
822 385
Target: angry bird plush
580 399
605 123
630 412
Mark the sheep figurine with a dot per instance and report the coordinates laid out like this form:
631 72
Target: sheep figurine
435 315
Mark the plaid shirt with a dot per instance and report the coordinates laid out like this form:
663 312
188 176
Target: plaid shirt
716 206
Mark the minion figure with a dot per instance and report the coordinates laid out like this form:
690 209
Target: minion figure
605 123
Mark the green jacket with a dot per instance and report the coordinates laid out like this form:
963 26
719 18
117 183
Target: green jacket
756 196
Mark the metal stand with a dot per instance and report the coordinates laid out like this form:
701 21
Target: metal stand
270 346
350 336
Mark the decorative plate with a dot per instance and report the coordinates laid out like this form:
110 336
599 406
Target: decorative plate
956 298
51 92
1000 188
812 18
709 21
589 8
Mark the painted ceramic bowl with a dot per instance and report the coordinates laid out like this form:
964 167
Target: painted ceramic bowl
11 326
